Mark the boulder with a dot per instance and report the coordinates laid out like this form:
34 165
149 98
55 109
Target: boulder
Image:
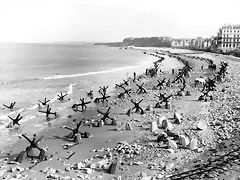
160 120
201 125
193 144
167 125
183 140
120 127
169 166
154 126
178 118
172 144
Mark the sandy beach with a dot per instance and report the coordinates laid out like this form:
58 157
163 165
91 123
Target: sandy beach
208 129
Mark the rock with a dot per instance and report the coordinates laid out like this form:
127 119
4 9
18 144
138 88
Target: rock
45 170
68 168
102 163
80 165
128 126
149 108
154 126
160 120
89 170
147 178
51 171
172 144
193 144
167 125
20 169
78 139
178 118
183 140
169 166
202 125
143 174
120 127
162 137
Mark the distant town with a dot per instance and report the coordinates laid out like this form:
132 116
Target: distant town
227 40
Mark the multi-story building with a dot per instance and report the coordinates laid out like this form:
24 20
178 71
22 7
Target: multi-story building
229 37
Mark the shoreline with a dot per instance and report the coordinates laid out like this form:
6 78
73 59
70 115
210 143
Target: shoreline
153 159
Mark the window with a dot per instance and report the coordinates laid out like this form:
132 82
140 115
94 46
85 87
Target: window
223 45
226 45
234 45
229 45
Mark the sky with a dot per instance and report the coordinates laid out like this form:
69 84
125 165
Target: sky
112 20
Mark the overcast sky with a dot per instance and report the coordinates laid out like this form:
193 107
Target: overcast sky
112 20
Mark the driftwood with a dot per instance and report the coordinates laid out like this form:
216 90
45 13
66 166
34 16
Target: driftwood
10 106
44 103
48 112
16 120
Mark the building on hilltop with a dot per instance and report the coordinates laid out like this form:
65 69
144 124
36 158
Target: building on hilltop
229 37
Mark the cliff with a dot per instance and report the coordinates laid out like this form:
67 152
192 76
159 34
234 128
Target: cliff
142 42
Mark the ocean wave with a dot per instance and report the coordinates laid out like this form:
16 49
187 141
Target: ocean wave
93 73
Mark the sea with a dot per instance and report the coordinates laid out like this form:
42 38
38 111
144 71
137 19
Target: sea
32 72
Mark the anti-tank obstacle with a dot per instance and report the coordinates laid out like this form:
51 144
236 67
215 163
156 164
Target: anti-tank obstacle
28 152
82 104
10 106
61 96
103 98
44 103
16 120
141 89
126 92
48 112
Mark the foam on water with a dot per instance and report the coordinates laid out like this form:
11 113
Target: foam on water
92 73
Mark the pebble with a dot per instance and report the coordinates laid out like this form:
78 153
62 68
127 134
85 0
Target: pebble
172 144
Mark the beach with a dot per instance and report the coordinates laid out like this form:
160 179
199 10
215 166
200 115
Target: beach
139 154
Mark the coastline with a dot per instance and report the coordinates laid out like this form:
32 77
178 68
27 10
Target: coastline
153 159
